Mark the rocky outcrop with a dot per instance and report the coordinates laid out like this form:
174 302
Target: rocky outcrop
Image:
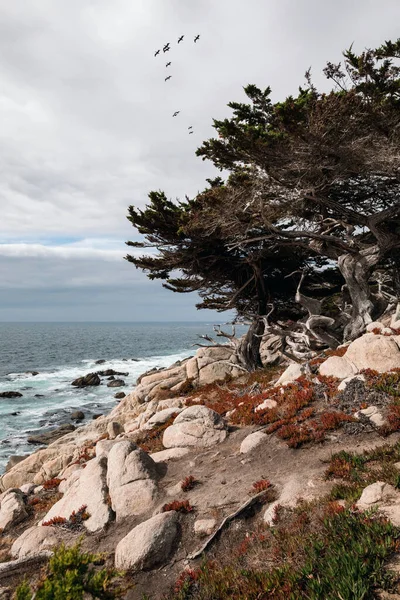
89 490
51 436
291 373
12 509
131 479
149 544
371 351
195 426
87 380
26 470
339 367
36 539
161 417
378 352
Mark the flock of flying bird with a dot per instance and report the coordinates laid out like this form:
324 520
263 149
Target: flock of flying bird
166 48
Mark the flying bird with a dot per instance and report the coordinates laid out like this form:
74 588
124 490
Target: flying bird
168 63
158 52
196 38
166 47
190 127
190 132
180 39
169 77
176 113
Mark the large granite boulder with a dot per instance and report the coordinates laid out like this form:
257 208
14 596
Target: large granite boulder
131 479
89 490
339 367
36 539
149 544
12 509
195 426
378 352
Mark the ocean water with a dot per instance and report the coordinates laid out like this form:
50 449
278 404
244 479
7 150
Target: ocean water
61 352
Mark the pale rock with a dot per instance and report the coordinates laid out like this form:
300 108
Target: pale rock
397 465
378 352
374 325
170 454
374 415
174 490
67 472
36 539
113 429
90 490
25 471
164 375
12 509
131 479
253 441
195 426
52 467
339 367
203 527
392 513
376 492
216 371
192 369
104 447
207 356
149 544
343 384
170 403
159 418
27 488
69 482
268 403
291 373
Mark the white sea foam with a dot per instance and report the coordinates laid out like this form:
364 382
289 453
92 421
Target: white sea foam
59 398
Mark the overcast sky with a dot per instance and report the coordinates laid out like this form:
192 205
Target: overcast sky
86 128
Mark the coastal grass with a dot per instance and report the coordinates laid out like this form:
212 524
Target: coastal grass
353 472
317 550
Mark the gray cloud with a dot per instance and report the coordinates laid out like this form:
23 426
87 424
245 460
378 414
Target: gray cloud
86 125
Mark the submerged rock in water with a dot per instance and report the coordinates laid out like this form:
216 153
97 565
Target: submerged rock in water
10 395
111 372
101 361
51 436
77 415
87 380
119 395
116 383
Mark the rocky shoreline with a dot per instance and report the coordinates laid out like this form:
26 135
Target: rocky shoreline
203 418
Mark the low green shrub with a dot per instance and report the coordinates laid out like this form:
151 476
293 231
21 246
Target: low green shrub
71 575
336 553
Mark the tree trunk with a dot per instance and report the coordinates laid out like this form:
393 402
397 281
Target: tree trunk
356 270
249 349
